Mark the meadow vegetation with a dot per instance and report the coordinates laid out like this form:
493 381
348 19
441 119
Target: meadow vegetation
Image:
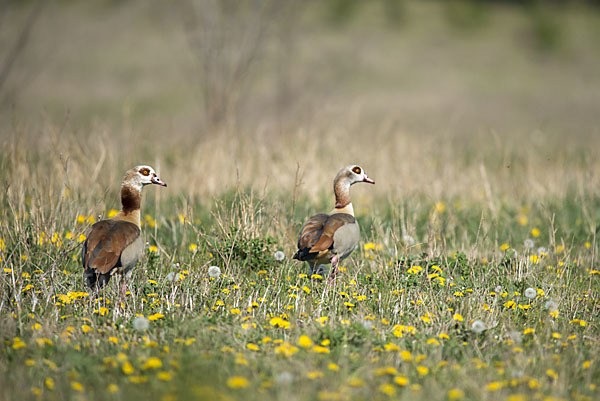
476 277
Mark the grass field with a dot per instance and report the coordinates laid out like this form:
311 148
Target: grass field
476 277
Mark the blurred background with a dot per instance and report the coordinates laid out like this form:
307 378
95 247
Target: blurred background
497 101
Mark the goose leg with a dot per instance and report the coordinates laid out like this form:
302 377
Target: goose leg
334 263
123 290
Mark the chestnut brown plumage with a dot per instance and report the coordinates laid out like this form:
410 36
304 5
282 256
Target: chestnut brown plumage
329 238
115 245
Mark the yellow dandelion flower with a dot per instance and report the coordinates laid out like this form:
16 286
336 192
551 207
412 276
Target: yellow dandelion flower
455 394
286 349
279 322
164 376
153 249
422 370
252 347
356 382
237 382
314 374
76 386
387 389
333 366
494 386
320 349
49 383
305 341
138 379
522 220
433 341
388 370
18 343
193 247
152 363
156 316
127 368
391 347
457 317
112 388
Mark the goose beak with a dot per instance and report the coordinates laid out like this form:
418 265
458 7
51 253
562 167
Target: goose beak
157 181
367 179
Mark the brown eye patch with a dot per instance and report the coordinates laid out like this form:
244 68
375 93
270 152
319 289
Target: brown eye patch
145 171
357 170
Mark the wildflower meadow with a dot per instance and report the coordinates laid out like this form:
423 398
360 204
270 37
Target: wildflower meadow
476 276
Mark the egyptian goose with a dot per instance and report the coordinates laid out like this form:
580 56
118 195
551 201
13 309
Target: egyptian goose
329 238
115 245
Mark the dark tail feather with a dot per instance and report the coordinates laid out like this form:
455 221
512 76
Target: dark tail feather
305 254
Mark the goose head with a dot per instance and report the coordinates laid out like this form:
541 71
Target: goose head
140 176
352 174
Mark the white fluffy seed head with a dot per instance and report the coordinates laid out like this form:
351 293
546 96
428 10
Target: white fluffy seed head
408 240
530 293
284 378
214 272
528 243
478 326
551 306
140 323
279 256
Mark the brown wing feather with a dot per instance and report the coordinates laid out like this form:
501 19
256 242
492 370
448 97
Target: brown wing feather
311 231
105 243
331 225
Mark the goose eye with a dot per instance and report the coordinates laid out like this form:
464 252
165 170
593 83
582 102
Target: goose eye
356 170
145 171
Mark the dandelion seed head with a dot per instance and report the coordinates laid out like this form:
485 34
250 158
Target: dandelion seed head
517 374
172 277
284 378
528 243
530 293
515 336
408 240
498 288
140 323
478 326
279 256
551 305
367 324
214 271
